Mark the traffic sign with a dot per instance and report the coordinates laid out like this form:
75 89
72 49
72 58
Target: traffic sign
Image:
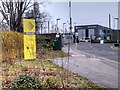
29 25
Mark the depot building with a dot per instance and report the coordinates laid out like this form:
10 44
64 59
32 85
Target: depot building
94 32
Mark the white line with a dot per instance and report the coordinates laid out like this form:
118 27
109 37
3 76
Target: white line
96 56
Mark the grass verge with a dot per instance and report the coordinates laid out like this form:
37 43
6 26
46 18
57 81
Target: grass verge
46 71
50 75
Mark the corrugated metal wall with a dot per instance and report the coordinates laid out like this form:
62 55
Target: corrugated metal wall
114 37
119 15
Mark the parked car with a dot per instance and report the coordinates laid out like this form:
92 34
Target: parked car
85 40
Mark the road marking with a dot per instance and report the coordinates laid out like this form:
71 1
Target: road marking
93 47
101 58
111 52
94 58
72 55
77 55
83 55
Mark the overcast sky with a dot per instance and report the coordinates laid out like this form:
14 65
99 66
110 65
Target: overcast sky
83 13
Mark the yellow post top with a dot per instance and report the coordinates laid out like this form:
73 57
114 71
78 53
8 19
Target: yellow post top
29 25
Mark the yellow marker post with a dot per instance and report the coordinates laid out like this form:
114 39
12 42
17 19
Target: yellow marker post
29 47
29 39
29 25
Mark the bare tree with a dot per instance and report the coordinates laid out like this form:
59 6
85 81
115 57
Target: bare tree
15 9
41 18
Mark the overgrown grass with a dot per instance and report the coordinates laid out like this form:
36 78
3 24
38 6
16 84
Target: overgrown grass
49 53
12 45
44 69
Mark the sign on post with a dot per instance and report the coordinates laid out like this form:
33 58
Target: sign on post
29 25
29 39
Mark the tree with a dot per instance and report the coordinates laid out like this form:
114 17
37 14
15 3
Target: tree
15 9
40 17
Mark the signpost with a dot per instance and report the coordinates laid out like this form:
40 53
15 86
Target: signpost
29 39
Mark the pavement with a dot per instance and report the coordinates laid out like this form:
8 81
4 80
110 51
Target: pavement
97 70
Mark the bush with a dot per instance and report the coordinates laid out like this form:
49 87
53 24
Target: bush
116 44
51 82
12 45
26 82
45 40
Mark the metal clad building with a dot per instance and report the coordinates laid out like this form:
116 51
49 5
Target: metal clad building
91 31
119 15
81 34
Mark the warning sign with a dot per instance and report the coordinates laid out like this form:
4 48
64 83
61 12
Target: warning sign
29 47
29 25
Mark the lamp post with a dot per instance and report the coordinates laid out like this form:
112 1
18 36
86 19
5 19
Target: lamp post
57 24
117 30
41 28
113 22
8 14
74 25
70 16
48 27
63 27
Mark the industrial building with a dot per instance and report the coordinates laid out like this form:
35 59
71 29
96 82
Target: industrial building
119 15
94 32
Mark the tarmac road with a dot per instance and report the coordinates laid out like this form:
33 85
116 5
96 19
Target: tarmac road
102 50
97 70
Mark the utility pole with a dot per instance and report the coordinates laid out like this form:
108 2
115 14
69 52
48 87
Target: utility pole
48 26
36 15
110 32
63 27
57 25
41 28
117 31
69 36
70 16
8 15
113 22
109 21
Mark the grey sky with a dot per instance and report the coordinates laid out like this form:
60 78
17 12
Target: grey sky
83 12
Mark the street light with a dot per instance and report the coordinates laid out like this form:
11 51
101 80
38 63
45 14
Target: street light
73 23
117 30
63 27
41 27
8 14
57 24
48 26
70 16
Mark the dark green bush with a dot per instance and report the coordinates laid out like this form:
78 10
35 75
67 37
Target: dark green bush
26 82
116 44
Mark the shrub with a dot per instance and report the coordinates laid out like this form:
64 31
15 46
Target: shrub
26 82
45 40
51 82
116 45
12 45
